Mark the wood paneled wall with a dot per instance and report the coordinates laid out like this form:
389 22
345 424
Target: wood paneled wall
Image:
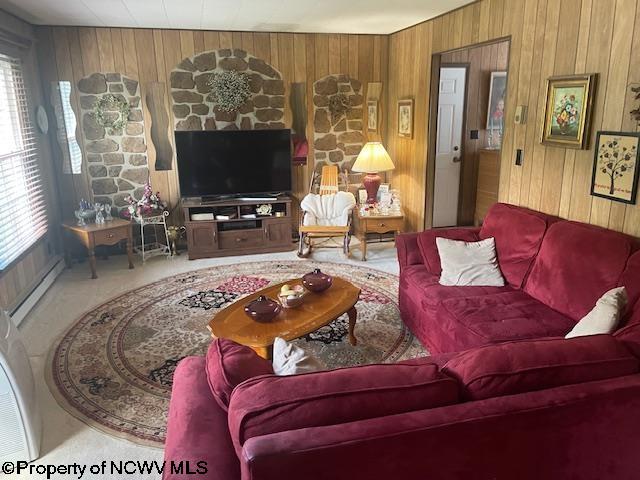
150 55
17 281
480 62
547 38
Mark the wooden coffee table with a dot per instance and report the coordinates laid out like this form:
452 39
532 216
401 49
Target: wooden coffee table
317 310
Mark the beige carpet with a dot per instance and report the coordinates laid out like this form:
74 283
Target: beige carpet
113 367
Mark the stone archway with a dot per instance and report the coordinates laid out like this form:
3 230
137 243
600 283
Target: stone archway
337 139
194 110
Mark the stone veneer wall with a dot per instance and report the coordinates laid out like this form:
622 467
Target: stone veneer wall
337 142
193 109
116 163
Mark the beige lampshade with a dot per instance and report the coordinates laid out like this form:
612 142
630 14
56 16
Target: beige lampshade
373 158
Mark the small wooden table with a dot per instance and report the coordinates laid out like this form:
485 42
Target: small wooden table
317 310
94 234
365 224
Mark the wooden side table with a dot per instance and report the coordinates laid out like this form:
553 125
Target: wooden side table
94 234
365 224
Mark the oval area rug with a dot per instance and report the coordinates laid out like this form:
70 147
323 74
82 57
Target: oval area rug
113 368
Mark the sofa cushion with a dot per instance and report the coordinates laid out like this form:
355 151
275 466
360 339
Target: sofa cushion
518 233
503 316
577 263
424 287
429 250
229 364
275 404
605 315
291 359
469 263
630 333
525 366
631 281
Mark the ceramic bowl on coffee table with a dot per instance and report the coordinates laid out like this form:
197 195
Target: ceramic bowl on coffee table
317 281
262 309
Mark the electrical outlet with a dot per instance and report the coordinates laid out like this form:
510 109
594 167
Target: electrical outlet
519 157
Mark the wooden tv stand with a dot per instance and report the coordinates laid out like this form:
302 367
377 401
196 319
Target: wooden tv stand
237 236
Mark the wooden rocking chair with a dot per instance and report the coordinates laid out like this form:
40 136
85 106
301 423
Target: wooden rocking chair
313 227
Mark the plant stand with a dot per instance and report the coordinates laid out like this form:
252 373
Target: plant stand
148 249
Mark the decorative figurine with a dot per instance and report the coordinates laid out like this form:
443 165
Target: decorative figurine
84 213
99 213
80 217
174 234
107 213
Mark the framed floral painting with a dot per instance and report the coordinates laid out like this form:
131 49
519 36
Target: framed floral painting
615 166
405 118
568 111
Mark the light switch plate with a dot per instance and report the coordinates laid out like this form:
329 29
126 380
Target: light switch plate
520 117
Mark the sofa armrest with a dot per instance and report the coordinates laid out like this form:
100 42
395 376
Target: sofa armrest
270 404
197 428
427 243
408 251
522 436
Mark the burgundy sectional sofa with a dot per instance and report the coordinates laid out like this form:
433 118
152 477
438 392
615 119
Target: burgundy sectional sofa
555 272
505 397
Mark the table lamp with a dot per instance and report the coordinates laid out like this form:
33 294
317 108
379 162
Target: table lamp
373 158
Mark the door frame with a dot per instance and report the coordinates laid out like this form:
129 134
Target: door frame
466 67
432 128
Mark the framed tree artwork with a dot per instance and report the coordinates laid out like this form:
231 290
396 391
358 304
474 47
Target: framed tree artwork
568 111
372 115
615 166
405 118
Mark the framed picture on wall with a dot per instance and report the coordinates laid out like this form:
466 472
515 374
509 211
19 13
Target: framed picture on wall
405 118
372 115
497 92
615 166
568 111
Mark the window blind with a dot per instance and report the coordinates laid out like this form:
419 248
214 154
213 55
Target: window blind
23 217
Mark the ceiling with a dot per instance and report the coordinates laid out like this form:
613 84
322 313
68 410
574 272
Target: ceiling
326 16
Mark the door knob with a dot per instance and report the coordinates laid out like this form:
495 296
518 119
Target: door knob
456 148
457 159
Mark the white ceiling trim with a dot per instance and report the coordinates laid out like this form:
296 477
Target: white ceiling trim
326 16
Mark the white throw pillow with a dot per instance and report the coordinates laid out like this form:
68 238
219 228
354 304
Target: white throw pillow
469 263
289 359
604 317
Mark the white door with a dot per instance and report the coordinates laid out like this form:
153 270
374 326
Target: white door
448 146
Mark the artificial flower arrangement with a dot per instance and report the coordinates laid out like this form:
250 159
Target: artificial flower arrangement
566 112
149 204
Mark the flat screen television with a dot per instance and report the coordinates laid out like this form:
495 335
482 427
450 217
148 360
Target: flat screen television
233 162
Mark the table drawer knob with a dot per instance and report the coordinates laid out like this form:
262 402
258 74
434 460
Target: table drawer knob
381 225
109 235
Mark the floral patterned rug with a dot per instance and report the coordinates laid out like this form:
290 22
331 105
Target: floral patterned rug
113 368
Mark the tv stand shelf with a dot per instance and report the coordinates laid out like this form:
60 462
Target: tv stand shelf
237 235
